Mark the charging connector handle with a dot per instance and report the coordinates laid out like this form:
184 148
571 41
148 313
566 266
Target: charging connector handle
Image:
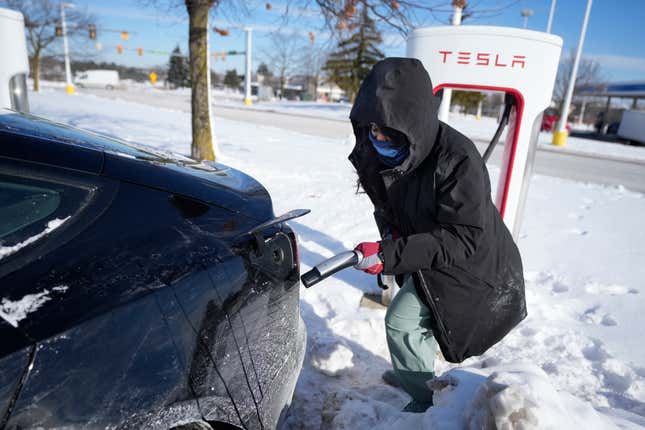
509 102
329 267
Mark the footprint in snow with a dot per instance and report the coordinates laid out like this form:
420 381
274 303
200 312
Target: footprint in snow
528 332
595 315
559 287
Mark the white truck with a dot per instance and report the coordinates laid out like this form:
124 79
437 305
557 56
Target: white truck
108 79
632 126
14 64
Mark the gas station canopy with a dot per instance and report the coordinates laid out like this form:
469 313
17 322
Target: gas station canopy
616 89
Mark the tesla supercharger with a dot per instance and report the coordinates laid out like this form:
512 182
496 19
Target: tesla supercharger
518 62
14 65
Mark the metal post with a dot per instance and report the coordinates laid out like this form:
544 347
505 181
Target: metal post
550 22
560 136
444 108
249 68
582 110
68 69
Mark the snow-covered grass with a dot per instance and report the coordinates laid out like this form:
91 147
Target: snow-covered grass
577 359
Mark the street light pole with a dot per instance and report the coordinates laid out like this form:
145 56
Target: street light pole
249 68
444 108
526 13
550 22
560 135
68 69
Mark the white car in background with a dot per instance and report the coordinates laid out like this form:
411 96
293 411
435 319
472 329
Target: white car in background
14 66
108 79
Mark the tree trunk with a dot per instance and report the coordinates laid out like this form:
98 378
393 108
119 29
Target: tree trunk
202 146
35 70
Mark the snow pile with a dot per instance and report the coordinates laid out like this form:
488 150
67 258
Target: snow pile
502 397
582 248
331 357
51 226
519 397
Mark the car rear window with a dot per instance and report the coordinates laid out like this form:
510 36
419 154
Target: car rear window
22 205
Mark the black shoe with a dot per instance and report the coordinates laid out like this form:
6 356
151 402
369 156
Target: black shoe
390 378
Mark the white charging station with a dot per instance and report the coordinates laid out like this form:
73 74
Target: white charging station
14 66
518 62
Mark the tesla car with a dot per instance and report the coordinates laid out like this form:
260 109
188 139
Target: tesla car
139 289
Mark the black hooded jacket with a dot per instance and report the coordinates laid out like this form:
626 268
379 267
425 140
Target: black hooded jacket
465 265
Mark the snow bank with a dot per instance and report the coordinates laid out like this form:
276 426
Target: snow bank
506 398
502 397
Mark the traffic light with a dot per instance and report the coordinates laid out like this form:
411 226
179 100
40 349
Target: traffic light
119 49
92 29
125 35
140 52
59 31
223 56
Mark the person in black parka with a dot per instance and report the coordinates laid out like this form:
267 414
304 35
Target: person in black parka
442 235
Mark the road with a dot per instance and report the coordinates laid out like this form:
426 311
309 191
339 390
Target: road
574 166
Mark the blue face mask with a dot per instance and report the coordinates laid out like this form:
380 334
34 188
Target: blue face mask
388 152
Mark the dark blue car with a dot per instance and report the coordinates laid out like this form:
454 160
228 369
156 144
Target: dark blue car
139 289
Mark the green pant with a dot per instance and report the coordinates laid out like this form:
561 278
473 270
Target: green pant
412 346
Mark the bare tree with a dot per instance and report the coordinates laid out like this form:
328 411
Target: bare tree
41 19
283 57
589 75
202 144
312 60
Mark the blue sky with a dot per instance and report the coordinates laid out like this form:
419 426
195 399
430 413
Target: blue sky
615 36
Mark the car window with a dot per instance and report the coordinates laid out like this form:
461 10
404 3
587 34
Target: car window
22 205
32 207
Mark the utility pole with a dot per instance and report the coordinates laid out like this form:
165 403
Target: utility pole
560 135
249 68
526 13
550 22
444 108
68 69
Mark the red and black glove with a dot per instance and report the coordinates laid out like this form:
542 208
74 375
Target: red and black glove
372 262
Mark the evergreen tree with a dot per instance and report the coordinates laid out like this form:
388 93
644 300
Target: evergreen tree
232 79
355 56
178 69
263 69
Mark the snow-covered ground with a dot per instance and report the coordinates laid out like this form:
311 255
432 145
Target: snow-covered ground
578 359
